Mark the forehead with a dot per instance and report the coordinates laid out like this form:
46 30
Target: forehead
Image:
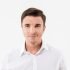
33 19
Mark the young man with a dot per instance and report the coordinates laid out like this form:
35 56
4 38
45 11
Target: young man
36 55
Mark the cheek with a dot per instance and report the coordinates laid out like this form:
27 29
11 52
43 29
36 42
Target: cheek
40 33
25 32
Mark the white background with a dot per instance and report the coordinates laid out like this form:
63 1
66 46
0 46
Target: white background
57 32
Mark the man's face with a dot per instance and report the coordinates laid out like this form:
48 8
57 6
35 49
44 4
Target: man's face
33 28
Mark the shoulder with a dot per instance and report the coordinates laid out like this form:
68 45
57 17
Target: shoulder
12 55
54 52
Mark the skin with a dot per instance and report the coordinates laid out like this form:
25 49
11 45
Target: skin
33 28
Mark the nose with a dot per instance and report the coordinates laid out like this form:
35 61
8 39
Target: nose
32 31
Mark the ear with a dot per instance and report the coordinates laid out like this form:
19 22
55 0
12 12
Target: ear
21 25
44 28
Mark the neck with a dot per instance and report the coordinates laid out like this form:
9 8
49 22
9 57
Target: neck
33 48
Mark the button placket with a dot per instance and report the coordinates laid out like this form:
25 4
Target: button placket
34 63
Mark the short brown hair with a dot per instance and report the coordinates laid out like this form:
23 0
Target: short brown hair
33 12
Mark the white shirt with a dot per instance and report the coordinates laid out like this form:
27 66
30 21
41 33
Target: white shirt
47 58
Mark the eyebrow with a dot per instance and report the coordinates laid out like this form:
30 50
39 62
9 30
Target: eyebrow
27 24
37 25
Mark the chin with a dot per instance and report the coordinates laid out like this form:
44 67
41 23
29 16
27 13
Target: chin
33 42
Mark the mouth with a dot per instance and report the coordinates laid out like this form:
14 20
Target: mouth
32 36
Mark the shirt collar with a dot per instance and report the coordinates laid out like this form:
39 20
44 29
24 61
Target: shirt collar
44 46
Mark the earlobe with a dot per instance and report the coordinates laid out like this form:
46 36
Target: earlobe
21 24
44 28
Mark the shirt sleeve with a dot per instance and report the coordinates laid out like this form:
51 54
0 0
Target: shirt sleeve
62 65
4 63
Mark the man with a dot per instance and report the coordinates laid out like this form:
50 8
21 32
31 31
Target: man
36 55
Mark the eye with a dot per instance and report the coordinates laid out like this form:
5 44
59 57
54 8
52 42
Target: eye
27 25
37 25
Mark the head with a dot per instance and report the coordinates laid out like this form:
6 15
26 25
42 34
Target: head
33 25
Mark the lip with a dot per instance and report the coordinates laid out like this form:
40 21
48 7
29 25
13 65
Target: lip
32 36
